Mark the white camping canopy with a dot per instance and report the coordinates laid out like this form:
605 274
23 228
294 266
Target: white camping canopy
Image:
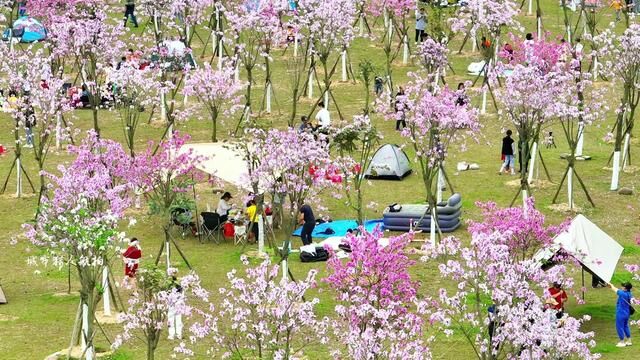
222 161
585 241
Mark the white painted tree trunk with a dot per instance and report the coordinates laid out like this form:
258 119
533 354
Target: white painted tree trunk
580 144
268 98
386 19
167 253
58 130
295 46
310 90
260 235
532 161
539 22
474 45
220 54
595 68
432 227
570 188
569 34
88 350
530 8
625 151
10 40
616 171
106 298
19 177
163 107
525 208
483 109
405 50
343 58
155 23
236 71
285 271
214 43
441 184
326 99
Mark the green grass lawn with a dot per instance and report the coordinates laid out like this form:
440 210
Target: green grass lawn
39 317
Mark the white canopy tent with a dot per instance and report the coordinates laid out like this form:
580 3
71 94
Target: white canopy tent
225 162
222 161
591 246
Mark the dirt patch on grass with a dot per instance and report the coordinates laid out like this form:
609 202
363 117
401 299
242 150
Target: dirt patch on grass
5 317
535 184
564 208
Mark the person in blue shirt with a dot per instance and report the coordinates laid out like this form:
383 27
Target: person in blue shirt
623 312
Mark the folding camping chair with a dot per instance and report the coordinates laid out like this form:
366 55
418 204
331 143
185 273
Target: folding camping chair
210 227
239 234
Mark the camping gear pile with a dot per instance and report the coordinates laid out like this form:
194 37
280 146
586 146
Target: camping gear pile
418 217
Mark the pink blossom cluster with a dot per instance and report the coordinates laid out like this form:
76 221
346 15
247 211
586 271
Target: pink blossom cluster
378 313
329 24
485 16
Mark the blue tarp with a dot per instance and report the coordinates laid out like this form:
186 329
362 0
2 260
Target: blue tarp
339 228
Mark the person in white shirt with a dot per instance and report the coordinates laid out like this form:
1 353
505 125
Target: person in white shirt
323 118
224 206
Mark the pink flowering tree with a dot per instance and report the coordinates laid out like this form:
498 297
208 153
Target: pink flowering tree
525 101
135 92
396 14
434 122
378 313
166 173
497 303
258 316
39 110
292 163
329 26
80 29
156 295
355 143
78 223
217 92
256 28
622 65
524 233
487 19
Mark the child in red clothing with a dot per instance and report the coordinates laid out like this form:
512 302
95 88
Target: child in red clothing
131 258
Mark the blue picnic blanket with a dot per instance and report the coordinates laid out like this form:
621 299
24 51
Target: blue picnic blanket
339 228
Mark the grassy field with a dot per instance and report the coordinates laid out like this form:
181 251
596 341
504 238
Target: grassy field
39 317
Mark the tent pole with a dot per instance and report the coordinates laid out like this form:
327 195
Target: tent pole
582 284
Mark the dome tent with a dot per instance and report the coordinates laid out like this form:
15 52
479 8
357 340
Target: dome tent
388 163
27 29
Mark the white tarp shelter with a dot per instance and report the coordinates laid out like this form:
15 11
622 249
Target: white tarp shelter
389 162
222 161
586 242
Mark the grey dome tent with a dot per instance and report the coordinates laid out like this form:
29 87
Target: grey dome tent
388 163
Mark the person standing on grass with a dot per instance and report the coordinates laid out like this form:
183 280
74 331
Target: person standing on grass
131 257
130 11
559 297
308 222
508 163
400 104
617 6
421 24
323 118
623 313
174 316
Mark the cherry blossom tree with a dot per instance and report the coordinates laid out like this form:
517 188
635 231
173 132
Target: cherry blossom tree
524 232
622 64
135 92
78 223
497 305
378 313
355 143
270 319
434 122
486 19
166 172
217 91
155 296
329 26
288 162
